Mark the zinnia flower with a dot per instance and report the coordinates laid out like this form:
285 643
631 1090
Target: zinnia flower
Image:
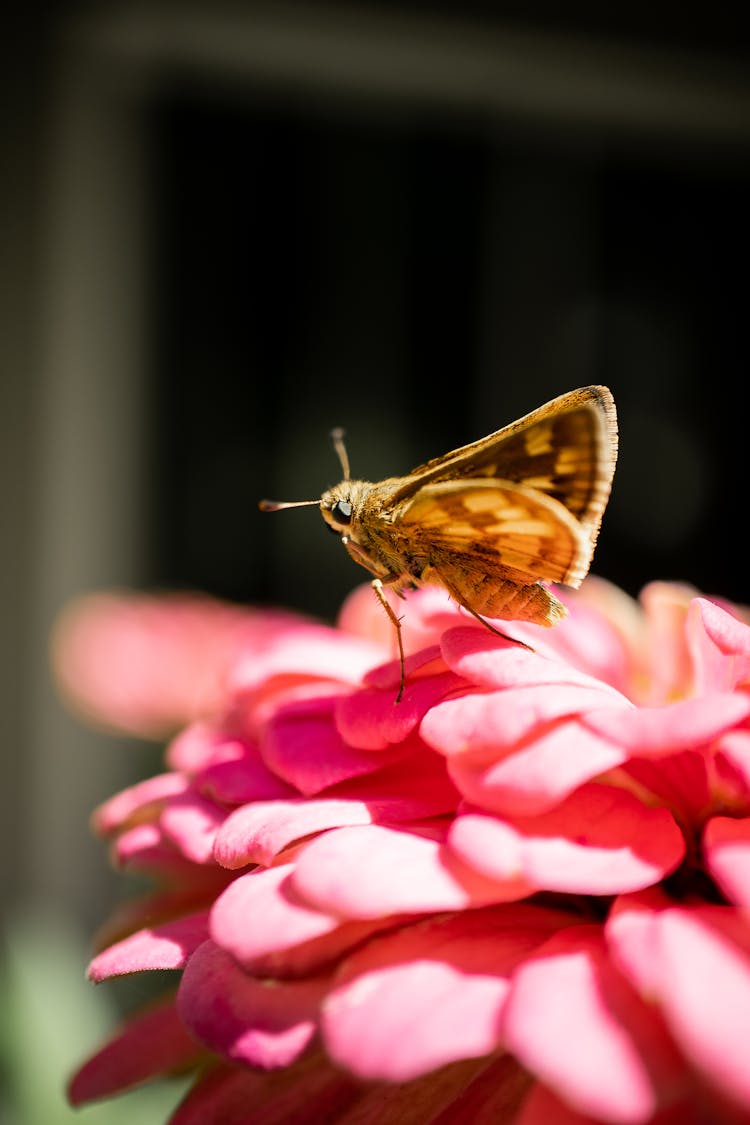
521 894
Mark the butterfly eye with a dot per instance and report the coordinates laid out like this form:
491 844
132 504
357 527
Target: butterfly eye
342 511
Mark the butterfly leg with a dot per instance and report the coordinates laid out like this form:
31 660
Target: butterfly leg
377 585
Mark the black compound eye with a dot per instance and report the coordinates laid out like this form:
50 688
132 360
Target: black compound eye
342 511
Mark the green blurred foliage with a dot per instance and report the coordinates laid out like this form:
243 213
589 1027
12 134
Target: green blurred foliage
51 1019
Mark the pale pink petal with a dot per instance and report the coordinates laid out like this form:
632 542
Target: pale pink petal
491 662
632 935
152 1042
307 652
200 745
554 763
143 800
446 977
600 840
726 847
257 833
720 646
302 745
371 719
287 937
577 1025
704 989
145 664
653 731
424 615
371 871
497 721
263 1023
144 849
733 755
167 946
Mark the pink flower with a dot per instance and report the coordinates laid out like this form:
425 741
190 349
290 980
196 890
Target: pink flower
521 894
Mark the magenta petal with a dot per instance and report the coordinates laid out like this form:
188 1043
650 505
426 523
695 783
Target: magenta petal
653 731
245 777
264 1022
151 1043
536 778
374 871
576 1024
428 994
167 946
303 746
370 719
599 840
726 847
705 992
190 822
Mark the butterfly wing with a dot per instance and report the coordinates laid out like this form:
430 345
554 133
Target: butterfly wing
566 450
520 534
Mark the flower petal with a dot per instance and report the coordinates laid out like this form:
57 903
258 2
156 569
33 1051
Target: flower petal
599 840
447 977
726 846
167 946
263 1023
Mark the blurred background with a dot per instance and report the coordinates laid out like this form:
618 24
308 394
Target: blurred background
228 228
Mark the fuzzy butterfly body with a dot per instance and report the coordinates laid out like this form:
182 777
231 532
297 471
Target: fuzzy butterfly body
493 521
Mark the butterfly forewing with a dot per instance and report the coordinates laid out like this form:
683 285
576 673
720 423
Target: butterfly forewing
566 449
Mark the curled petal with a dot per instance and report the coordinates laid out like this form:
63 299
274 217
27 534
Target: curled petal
535 778
720 646
370 719
140 802
263 1023
600 840
190 822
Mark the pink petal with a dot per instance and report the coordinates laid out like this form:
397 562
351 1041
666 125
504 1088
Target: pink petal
144 849
160 947
720 645
142 800
302 745
237 780
705 992
152 1042
146 664
263 1023
257 833
654 731
428 994
191 823
307 652
599 840
370 719
726 847
497 721
287 937
491 662
632 934
575 1023
372 871
554 763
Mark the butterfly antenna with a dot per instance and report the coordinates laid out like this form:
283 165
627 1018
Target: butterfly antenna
337 437
277 505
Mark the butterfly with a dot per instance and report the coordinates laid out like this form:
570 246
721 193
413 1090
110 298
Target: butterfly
491 522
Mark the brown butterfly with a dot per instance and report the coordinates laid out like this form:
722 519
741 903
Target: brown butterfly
490 522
